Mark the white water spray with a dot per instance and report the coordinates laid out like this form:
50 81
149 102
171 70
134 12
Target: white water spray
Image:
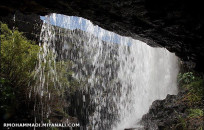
123 76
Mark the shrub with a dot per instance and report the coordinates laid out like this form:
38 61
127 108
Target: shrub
18 57
194 85
186 78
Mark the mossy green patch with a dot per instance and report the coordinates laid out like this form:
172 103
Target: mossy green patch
195 113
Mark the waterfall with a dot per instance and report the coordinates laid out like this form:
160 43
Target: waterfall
122 76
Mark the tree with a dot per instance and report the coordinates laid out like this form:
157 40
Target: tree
17 61
18 57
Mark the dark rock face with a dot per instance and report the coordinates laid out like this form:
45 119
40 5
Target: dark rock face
175 25
167 113
30 25
163 112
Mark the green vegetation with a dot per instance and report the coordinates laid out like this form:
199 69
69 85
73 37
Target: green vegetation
195 113
18 59
194 116
7 99
186 78
193 85
59 90
182 124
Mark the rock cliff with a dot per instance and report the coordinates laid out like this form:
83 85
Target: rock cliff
175 25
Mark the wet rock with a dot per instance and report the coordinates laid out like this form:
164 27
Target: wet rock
175 25
167 113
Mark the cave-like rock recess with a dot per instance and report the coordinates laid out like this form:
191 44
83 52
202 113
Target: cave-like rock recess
174 24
